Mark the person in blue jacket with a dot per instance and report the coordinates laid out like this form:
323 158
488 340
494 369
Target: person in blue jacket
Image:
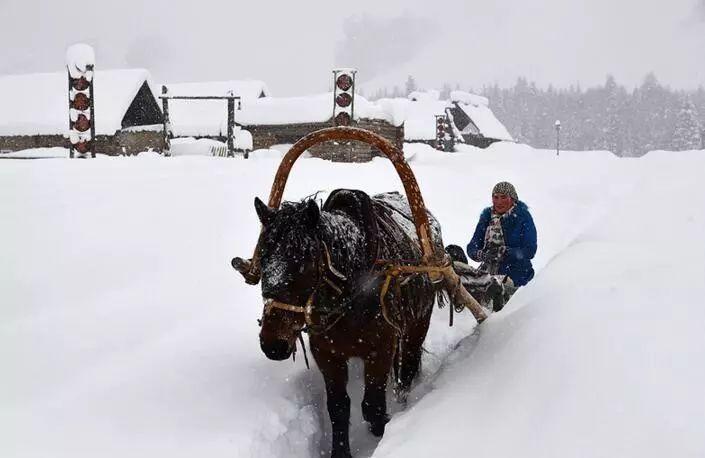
504 241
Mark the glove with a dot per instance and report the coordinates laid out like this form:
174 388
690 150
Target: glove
494 253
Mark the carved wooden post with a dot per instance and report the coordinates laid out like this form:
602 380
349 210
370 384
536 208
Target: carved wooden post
71 153
80 63
92 98
343 96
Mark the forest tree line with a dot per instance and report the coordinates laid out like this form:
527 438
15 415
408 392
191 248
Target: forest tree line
608 117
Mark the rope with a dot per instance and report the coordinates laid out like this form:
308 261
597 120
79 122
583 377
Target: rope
392 272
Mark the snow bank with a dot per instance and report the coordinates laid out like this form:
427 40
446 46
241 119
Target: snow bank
190 146
38 153
592 359
671 155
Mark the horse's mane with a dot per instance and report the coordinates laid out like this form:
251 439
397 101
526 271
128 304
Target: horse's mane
290 220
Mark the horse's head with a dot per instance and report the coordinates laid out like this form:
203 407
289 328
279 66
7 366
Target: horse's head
289 258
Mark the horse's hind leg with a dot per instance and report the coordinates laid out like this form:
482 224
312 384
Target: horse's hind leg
374 402
335 375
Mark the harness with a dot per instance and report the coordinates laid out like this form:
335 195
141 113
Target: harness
396 273
324 265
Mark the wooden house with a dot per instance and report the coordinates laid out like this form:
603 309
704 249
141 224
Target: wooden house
34 112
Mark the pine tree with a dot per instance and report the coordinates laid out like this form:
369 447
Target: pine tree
687 134
410 85
612 135
445 92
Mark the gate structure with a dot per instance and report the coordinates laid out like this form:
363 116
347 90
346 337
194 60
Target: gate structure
168 135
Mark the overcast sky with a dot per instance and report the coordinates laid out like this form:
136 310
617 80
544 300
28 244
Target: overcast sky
293 45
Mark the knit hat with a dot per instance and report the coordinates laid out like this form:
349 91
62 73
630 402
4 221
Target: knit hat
505 187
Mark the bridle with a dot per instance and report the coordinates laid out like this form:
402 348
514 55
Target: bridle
324 267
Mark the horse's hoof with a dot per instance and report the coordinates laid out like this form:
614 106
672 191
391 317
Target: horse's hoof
401 395
340 454
377 429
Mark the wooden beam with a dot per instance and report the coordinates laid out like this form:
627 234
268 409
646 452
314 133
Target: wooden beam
199 97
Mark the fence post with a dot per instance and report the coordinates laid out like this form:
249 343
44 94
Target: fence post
231 124
167 122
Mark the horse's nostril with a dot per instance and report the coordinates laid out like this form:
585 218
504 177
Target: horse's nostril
277 350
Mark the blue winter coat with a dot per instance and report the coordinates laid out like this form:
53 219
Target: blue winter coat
519 238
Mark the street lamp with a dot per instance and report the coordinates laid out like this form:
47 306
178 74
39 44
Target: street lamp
558 137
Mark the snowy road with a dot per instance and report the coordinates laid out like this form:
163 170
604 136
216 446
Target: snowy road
124 332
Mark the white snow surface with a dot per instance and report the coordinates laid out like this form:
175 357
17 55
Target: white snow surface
124 331
37 104
78 57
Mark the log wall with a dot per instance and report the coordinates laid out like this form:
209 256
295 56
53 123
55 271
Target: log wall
121 143
265 136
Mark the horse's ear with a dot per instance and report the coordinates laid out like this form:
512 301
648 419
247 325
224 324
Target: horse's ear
264 213
313 213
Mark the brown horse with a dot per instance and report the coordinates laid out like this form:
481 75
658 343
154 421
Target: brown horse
321 275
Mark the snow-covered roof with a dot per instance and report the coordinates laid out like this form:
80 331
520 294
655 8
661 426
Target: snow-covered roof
245 89
209 117
418 112
486 121
468 99
418 116
37 104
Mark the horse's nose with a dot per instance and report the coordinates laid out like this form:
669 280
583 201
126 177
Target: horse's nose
277 350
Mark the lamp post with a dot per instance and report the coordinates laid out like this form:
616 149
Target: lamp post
558 137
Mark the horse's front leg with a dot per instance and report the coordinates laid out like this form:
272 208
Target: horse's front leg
335 375
374 403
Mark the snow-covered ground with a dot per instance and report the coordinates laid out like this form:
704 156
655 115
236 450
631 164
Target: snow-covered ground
124 331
